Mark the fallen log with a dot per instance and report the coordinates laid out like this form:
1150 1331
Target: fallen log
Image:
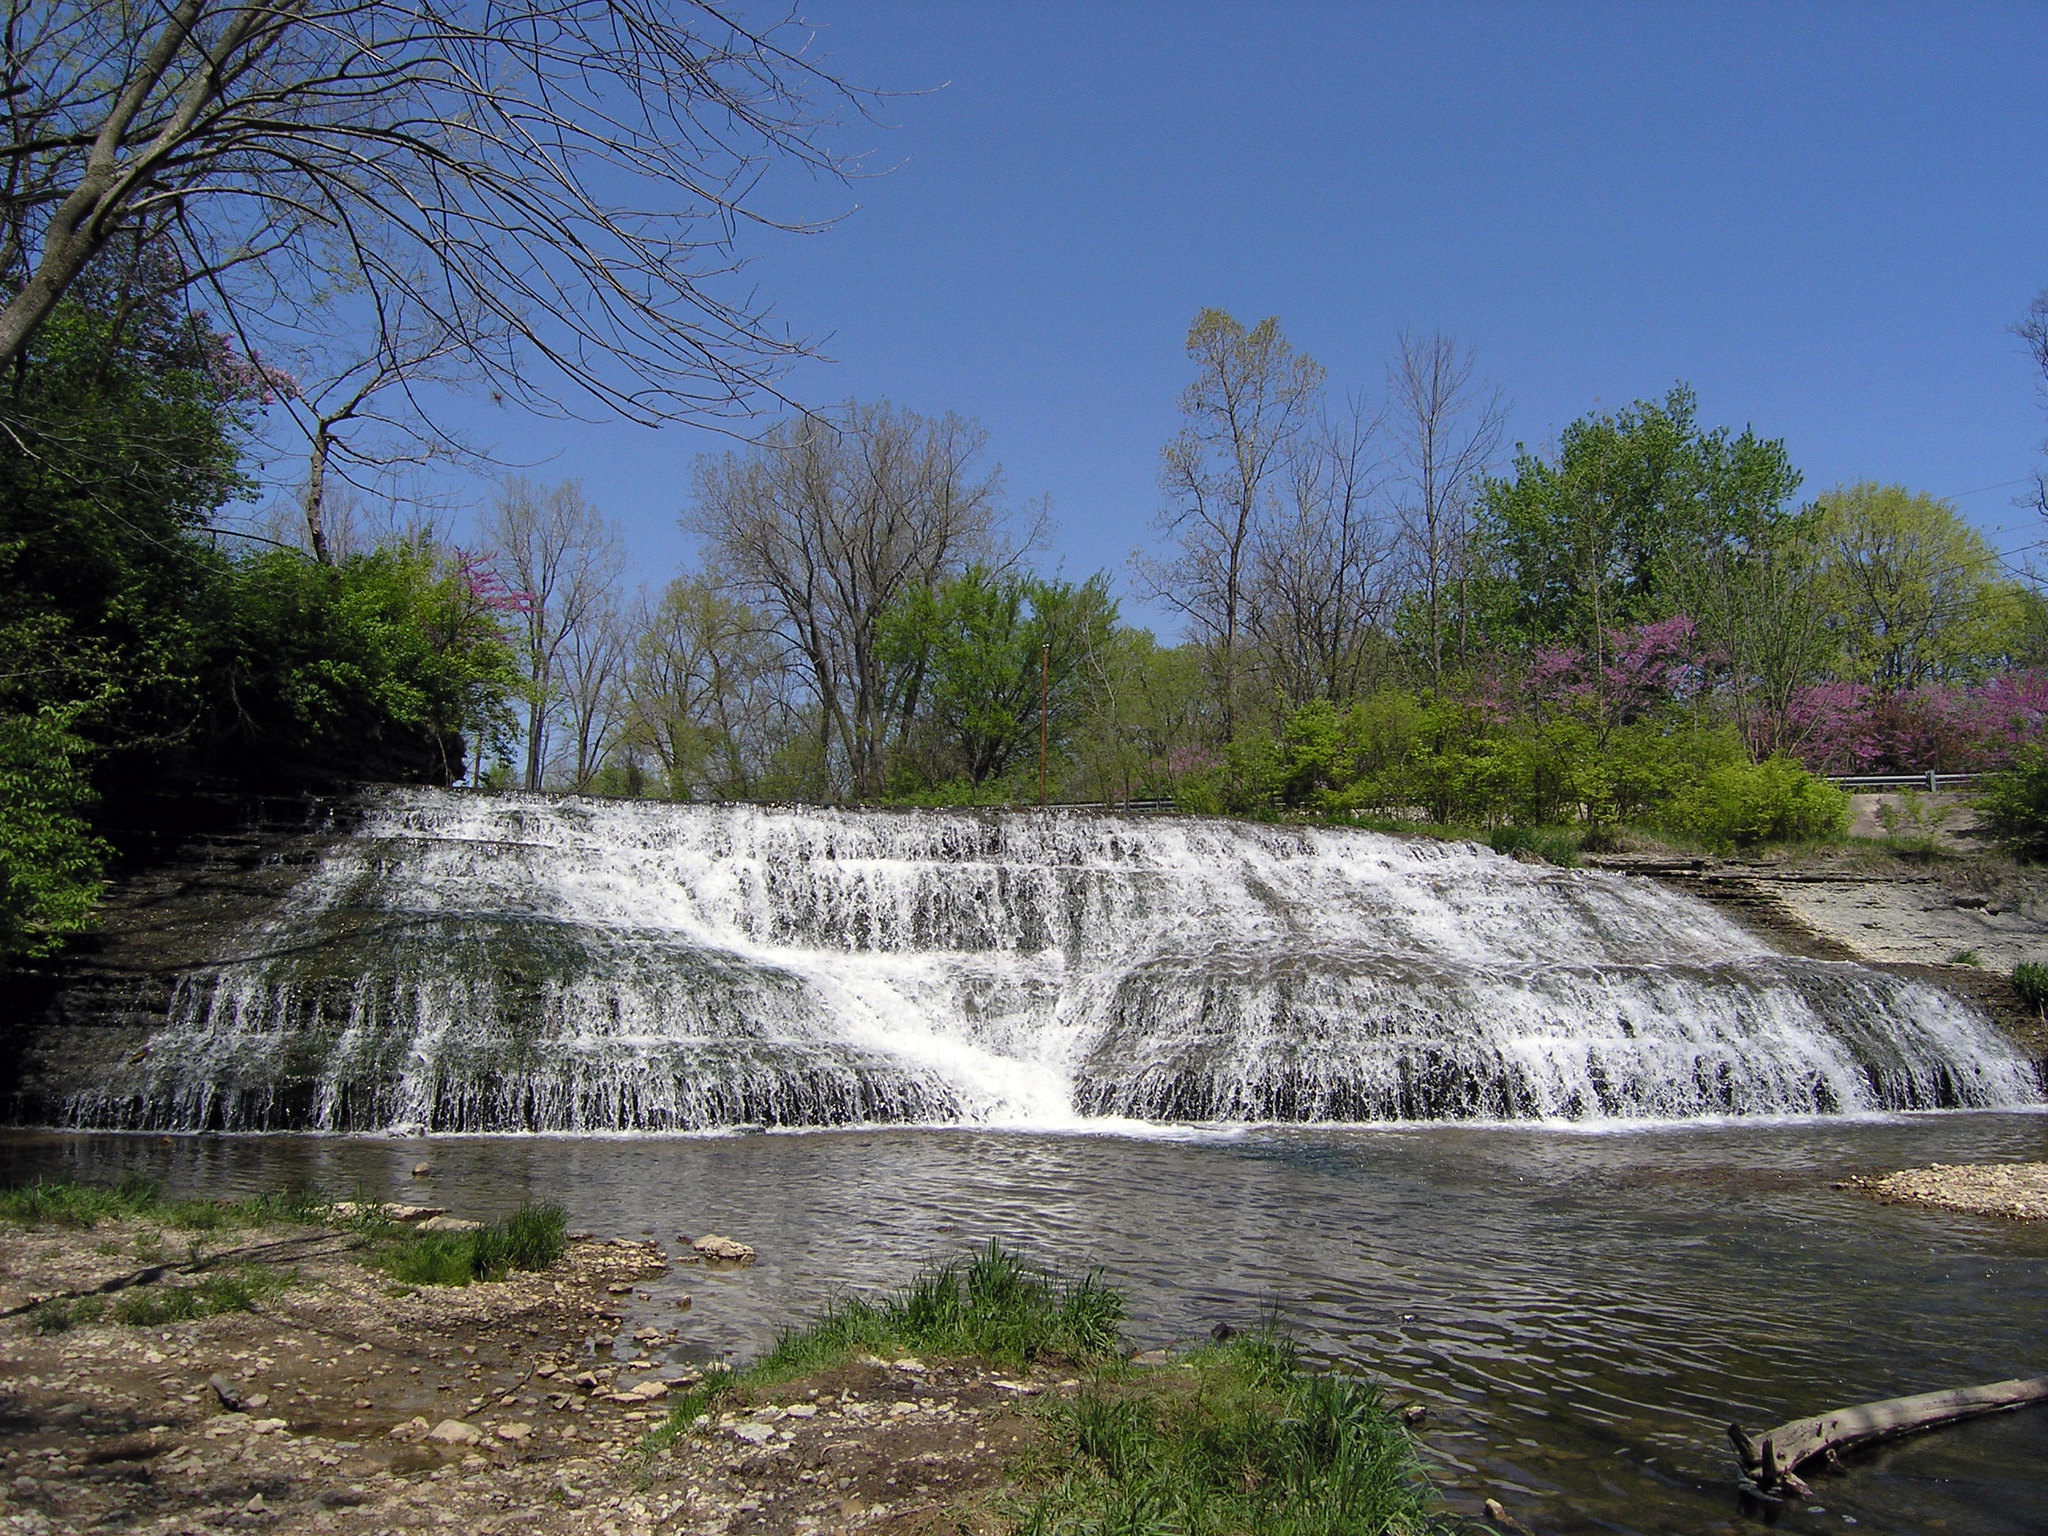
1773 1460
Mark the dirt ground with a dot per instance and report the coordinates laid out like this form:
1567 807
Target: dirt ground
493 1408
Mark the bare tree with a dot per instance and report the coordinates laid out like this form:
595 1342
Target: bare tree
360 411
1447 428
1250 401
824 524
592 672
2034 332
1323 568
575 172
560 555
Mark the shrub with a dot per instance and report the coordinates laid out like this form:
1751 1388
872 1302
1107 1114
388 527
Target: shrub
51 864
2030 981
2014 807
1744 804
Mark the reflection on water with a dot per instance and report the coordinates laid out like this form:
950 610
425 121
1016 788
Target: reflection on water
1584 1313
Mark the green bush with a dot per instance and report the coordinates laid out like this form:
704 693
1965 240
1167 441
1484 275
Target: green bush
2014 807
51 864
2030 981
1744 804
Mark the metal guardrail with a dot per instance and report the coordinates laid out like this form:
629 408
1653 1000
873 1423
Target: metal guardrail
1930 781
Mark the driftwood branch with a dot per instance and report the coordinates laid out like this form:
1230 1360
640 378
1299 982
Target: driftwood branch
1773 1460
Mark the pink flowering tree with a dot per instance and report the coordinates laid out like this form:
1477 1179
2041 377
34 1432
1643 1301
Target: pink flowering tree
1847 728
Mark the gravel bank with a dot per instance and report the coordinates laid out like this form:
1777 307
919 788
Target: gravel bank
2016 1190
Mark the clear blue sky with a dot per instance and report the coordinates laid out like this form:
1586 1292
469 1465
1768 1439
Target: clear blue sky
1824 217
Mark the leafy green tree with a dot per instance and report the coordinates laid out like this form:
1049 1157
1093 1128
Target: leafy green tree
707 694
1752 600
1150 713
1913 591
50 860
973 654
125 419
387 665
1585 542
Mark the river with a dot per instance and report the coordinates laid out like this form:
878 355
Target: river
1583 1311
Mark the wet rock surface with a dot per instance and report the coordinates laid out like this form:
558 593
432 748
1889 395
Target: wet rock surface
355 1404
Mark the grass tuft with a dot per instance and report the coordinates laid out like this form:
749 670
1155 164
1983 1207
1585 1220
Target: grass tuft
1553 845
533 1238
1235 1437
992 1305
155 1306
2030 981
62 1203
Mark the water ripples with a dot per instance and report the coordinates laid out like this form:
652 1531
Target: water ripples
1584 1314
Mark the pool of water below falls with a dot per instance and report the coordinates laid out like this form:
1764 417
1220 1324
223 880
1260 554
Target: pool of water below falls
1583 1312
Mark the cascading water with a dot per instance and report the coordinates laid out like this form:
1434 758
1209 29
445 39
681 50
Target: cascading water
521 963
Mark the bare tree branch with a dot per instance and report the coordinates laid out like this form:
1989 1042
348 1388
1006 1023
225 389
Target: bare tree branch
556 185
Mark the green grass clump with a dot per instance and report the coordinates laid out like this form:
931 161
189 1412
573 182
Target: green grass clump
60 1203
1232 1438
2030 980
1553 845
63 1203
992 1306
533 1238
155 1306
1236 1437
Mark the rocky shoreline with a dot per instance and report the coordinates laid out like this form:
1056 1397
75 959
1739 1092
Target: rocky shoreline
346 1403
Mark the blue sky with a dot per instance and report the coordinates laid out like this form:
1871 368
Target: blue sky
1824 217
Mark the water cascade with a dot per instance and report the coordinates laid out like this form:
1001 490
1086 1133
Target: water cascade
522 963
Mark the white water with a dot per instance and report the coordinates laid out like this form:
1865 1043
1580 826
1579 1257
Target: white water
520 963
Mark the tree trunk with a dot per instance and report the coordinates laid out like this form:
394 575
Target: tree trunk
316 491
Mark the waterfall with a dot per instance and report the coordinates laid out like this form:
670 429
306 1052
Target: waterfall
509 963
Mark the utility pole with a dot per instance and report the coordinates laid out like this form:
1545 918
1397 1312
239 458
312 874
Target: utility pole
1044 694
